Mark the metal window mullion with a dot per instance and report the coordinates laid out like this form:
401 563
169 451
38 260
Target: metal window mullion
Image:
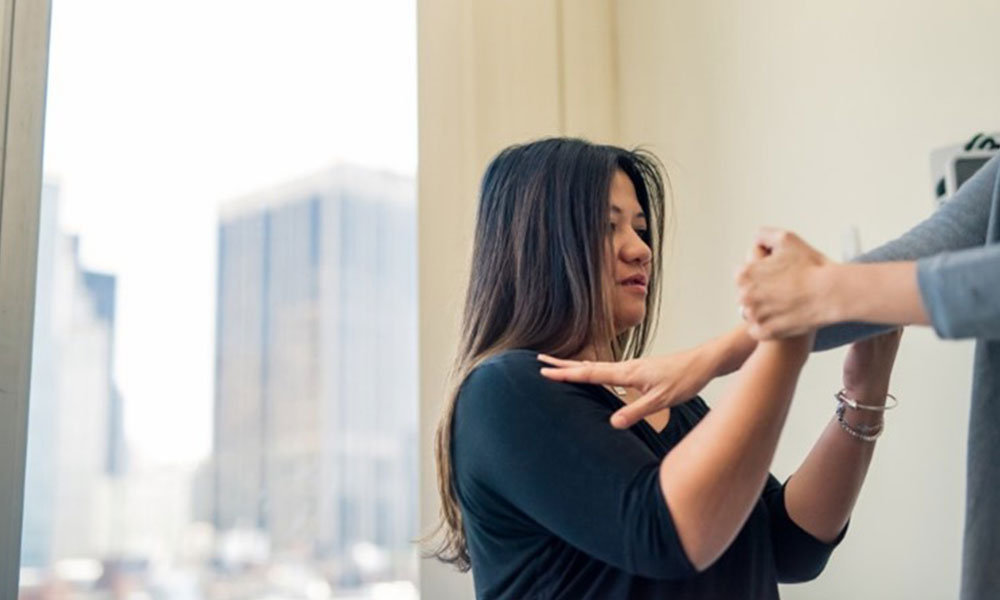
23 73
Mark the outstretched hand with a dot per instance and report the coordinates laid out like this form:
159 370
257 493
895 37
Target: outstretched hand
663 381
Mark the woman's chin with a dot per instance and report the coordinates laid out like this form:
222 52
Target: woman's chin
624 323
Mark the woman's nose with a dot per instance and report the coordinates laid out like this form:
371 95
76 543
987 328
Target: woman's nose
635 250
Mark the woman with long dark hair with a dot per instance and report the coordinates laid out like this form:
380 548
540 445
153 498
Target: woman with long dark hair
540 495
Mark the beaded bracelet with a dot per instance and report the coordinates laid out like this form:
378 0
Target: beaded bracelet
865 433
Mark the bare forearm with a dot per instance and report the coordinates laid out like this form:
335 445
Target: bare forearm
876 293
729 351
821 494
712 479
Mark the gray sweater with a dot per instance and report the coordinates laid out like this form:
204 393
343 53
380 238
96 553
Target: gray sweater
958 272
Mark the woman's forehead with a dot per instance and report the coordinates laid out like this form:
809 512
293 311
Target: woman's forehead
623 196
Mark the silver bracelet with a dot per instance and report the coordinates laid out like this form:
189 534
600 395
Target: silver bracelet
865 433
843 398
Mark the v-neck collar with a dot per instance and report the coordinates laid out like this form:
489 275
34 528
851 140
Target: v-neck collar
644 422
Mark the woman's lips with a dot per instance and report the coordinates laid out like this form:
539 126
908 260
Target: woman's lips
635 282
634 286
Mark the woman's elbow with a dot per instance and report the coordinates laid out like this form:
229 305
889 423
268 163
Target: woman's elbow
799 573
702 554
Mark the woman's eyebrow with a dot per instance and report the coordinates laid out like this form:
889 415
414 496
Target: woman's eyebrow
638 215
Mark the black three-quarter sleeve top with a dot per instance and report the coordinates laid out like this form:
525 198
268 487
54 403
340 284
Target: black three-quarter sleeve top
558 504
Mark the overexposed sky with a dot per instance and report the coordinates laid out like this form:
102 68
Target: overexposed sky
158 111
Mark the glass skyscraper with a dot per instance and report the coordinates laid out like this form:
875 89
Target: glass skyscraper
316 375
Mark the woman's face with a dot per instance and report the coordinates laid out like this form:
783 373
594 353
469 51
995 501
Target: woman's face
631 256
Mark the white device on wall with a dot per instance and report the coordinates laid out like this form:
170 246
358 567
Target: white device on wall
953 165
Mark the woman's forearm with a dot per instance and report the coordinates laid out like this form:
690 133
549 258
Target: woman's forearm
885 293
714 476
819 497
821 494
730 350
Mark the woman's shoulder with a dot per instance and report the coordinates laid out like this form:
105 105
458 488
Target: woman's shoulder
518 359
511 380
514 355
509 370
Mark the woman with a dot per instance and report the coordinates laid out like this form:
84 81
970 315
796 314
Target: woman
540 496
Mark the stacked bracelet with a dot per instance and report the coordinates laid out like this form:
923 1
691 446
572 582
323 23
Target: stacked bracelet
842 397
865 433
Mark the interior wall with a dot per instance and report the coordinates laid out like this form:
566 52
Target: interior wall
490 74
815 117
820 117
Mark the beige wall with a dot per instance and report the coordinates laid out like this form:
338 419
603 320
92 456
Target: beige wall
491 74
815 117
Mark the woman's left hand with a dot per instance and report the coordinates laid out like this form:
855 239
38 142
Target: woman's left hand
663 381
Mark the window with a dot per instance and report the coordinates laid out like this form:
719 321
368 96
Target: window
223 400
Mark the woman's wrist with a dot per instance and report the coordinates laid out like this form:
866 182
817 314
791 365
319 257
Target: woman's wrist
873 396
836 291
867 396
874 292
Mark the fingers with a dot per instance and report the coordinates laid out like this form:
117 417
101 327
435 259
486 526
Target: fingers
753 269
775 241
608 373
757 252
755 331
766 330
648 404
769 238
559 362
763 327
752 308
632 414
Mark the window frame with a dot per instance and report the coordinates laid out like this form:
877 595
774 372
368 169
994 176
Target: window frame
24 48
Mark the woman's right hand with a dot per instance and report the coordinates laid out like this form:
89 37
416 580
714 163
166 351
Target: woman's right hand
663 381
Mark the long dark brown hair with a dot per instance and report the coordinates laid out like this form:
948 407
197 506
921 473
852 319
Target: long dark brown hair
538 277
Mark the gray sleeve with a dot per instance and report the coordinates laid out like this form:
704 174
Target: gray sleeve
959 224
961 291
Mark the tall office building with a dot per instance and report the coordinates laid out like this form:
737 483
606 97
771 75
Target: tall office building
75 439
316 381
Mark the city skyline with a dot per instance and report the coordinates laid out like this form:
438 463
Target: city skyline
335 265
217 122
